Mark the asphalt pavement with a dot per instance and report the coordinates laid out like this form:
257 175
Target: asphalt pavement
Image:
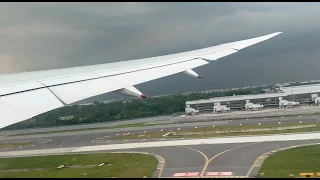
171 127
234 160
203 160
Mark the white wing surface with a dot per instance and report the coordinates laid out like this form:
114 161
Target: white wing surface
24 95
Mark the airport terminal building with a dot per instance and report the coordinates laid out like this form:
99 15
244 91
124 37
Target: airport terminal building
285 97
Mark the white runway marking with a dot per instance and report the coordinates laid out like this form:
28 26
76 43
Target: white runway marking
244 139
69 140
316 117
226 140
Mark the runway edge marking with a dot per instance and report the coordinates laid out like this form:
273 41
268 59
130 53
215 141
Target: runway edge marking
264 156
78 136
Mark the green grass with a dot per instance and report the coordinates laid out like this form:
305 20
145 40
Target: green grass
205 132
122 165
292 161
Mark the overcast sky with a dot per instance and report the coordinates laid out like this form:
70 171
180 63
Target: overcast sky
36 36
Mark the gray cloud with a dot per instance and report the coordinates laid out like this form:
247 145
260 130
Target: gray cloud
37 36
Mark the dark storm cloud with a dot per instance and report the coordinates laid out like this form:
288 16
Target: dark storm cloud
37 36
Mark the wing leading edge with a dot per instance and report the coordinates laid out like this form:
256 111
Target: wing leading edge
24 95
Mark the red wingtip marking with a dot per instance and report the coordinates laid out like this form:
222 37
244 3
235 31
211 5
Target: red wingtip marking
199 77
143 96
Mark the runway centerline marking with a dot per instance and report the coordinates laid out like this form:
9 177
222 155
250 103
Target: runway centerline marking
315 117
69 140
210 160
205 156
207 160
264 155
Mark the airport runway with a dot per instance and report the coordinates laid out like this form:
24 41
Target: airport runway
231 160
83 126
92 134
103 137
228 158
238 160
265 115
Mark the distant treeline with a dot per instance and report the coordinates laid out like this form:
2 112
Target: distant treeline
115 111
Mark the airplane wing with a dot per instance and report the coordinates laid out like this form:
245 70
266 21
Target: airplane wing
25 95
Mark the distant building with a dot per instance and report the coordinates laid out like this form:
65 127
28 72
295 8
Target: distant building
267 90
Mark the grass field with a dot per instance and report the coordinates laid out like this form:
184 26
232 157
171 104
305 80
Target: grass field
122 165
291 162
226 131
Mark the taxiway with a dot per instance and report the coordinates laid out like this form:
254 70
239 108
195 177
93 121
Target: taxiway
208 157
220 157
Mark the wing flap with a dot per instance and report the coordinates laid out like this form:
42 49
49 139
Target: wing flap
19 87
69 79
21 106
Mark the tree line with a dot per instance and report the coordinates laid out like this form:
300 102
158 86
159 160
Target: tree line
120 110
